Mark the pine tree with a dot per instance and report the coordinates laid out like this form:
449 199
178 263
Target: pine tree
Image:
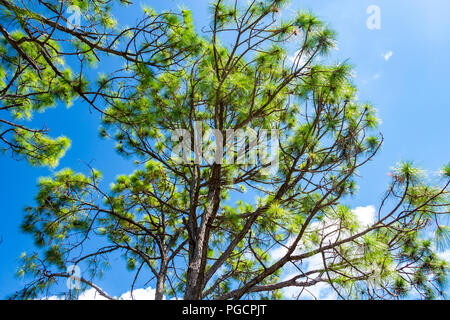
192 229
45 60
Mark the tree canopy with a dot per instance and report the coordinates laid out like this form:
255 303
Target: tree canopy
209 230
45 60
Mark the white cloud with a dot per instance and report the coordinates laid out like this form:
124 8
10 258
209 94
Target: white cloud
321 291
281 251
387 55
315 262
365 215
52 298
298 60
139 294
377 76
91 294
445 255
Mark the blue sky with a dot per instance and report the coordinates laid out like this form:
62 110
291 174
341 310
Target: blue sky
410 89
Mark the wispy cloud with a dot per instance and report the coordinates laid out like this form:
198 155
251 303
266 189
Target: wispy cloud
139 294
323 291
387 55
365 215
91 294
445 255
